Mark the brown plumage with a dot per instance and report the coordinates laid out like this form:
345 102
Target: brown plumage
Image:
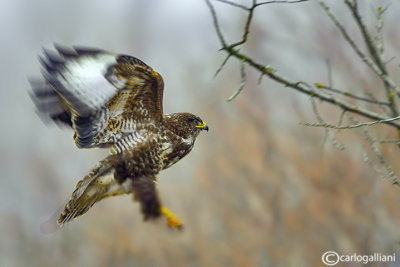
115 101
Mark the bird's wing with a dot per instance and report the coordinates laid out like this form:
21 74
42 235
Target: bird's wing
102 95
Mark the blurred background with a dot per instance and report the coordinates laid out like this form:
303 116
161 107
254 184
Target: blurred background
257 190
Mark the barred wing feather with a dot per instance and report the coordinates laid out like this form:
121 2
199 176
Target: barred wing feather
101 95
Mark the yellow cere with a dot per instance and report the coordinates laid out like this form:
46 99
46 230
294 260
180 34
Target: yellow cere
201 126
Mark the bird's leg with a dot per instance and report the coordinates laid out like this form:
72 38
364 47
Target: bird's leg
146 193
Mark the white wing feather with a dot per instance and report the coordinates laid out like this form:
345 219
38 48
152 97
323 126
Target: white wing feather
84 78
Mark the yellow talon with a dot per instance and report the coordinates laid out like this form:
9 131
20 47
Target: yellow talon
172 220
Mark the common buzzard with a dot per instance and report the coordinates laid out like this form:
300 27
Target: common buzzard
114 101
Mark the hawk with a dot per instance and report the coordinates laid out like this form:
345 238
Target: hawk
114 101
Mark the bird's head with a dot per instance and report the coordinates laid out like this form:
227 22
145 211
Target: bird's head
185 124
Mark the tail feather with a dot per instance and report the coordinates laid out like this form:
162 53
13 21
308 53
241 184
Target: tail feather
98 184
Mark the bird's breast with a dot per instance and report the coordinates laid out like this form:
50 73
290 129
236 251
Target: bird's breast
173 151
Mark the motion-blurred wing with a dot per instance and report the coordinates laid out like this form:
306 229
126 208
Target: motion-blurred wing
101 95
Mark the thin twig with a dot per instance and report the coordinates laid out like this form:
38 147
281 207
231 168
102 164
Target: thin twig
388 167
281 2
393 141
234 4
216 25
261 3
242 82
373 165
367 38
358 51
341 117
384 108
259 81
376 56
376 63
319 118
337 127
379 35
247 26
222 65
250 14
350 95
299 86
389 60
328 132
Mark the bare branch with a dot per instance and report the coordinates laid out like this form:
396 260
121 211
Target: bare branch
374 61
261 3
328 132
388 167
337 127
376 167
269 71
358 51
216 24
392 141
376 55
242 82
341 117
222 65
246 27
234 4
367 38
350 95
281 2
250 14
301 87
266 70
389 60
379 35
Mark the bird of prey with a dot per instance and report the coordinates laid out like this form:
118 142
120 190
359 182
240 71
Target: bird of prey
114 101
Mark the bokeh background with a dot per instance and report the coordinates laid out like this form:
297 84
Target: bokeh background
257 190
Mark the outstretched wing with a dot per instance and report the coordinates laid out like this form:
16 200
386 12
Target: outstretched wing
101 95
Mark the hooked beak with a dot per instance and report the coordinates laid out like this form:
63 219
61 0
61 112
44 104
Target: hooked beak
204 126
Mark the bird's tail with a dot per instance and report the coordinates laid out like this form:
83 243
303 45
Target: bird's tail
98 184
